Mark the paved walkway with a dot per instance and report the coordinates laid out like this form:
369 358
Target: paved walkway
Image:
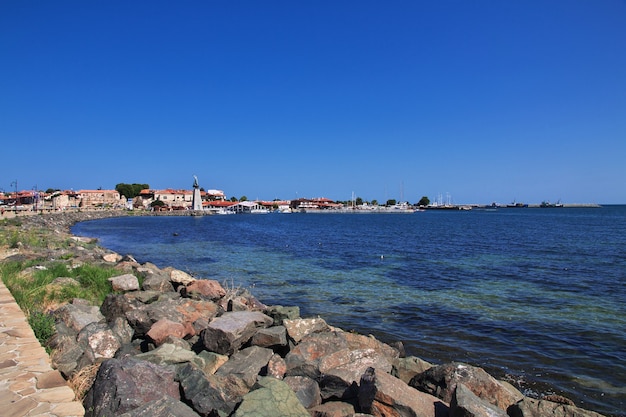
28 384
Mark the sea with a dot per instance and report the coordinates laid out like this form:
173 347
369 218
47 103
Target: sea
535 296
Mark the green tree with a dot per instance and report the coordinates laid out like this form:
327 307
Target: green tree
391 202
359 201
374 202
424 201
130 190
243 198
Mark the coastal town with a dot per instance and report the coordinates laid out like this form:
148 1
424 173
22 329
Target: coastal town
213 201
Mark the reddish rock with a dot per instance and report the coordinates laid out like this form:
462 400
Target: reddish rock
332 409
206 288
164 328
276 367
381 394
442 380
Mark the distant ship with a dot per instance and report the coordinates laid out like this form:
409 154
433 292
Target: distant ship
517 205
547 204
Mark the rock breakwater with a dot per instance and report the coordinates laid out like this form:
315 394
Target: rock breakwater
165 343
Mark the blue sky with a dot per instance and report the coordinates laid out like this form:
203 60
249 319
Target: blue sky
484 100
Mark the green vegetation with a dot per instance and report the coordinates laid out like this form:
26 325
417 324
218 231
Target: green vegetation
130 190
41 282
34 288
424 201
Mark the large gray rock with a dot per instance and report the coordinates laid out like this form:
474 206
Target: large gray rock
466 404
165 407
227 333
167 354
124 385
280 313
271 336
211 395
68 355
298 329
156 281
442 380
271 398
332 409
528 407
247 364
100 339
407 368
126 282
381 394
306 389
78 315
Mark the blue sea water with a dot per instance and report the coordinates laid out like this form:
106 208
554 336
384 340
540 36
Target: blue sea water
537 296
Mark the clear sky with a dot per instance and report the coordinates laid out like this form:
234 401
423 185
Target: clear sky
484 100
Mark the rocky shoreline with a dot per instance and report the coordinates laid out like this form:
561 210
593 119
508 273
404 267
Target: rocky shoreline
164 343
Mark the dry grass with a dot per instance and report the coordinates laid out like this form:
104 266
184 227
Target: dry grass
82 380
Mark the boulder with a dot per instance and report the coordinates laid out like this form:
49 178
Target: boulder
332 409
272 397
227 333
210 395
529 407
306 389
466 404
280 313
122 330
271 336
209 362
304 359
164 407
407 368
341 371
276 367
381 394
205 288
167 354
126 282
100 339
441 381
67 354
179 277
298 329
165 328
122 385
111 257
247 364
157 281
77 315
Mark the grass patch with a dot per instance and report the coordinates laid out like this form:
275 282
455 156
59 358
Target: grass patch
34 290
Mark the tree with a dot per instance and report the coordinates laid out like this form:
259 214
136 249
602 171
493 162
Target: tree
424 201
374 202
130 190
243 198
391 202
359 201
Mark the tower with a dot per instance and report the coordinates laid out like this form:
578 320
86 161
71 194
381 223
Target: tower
196 203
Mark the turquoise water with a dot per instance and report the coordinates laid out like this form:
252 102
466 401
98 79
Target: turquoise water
535 295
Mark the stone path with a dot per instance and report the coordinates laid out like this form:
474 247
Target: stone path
28 384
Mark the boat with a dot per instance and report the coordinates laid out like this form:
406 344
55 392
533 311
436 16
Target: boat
516 205
547 204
